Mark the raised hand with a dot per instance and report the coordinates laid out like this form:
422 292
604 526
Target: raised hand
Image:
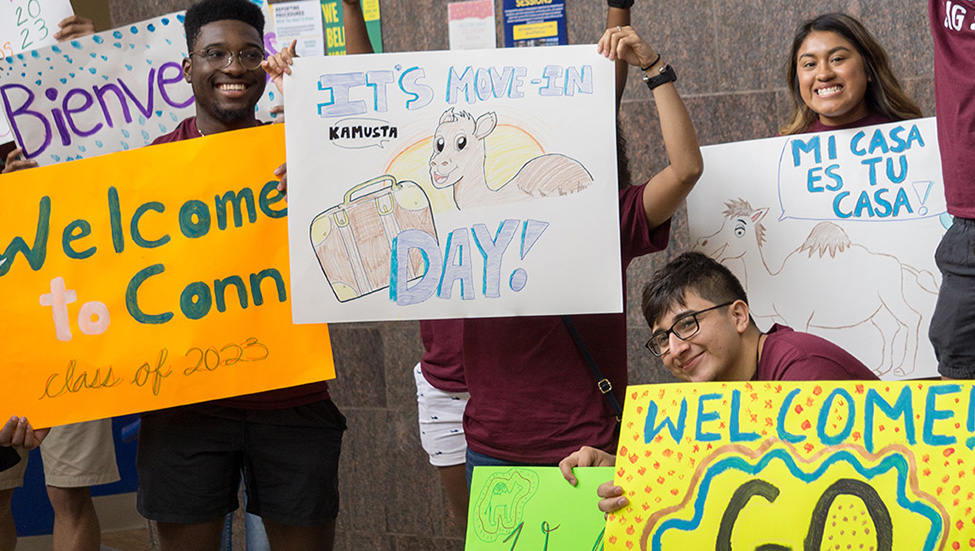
73 27
15 161
279 64
624 43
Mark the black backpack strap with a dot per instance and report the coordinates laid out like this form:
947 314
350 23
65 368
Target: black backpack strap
602 383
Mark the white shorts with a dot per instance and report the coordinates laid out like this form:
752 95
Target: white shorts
74 456
441 416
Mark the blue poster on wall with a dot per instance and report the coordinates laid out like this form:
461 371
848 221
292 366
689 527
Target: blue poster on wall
534 23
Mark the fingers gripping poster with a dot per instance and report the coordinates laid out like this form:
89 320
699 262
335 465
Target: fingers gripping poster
111 91
881 466
446 184
833 233
148 279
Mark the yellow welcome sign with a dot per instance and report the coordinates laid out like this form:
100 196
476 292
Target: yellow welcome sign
871 466
148 279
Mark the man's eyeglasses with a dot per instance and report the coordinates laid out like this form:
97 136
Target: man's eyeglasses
684 328
220 58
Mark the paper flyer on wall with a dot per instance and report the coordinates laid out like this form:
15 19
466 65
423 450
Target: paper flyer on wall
302 22
471 25
333 15
534 23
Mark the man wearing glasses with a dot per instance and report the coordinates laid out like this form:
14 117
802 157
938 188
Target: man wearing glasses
703 331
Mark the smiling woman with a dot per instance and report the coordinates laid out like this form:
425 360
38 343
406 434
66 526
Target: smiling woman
840 77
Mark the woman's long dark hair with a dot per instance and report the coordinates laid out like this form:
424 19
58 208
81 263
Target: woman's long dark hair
884 96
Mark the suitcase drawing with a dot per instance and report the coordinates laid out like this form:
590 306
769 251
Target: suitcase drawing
353 240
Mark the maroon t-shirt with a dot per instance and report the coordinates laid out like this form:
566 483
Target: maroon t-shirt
443 354
954 95
533 398
789 355
868 120
272 399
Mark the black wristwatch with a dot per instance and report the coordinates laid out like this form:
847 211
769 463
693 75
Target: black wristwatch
664 75
621 4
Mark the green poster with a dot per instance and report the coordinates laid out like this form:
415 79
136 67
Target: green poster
535 509
335 26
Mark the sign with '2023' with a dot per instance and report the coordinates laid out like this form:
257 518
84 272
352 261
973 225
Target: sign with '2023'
27 25
151 281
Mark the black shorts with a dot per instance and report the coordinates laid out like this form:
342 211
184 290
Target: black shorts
190 460
952 330
8 458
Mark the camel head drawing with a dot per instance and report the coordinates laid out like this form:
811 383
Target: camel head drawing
741 232
459 156
458 148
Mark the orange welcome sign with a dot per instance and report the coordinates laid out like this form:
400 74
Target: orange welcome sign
148 279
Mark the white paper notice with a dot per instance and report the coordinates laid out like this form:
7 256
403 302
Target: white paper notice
301 21
472 25
26 25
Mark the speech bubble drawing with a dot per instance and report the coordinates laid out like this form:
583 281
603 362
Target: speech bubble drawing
360 133
874 173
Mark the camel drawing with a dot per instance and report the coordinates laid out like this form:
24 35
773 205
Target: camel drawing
822 288
501 504
458 160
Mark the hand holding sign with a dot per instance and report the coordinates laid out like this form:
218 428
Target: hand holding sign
16 161
18 433
612 495
625 44
73 27
279 64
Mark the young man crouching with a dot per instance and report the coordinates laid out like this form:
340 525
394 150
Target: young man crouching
703 331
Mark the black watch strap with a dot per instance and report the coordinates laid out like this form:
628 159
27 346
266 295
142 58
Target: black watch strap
621 4
664 75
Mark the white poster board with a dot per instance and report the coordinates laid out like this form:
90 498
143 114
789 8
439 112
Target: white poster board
453 184
111 91
833 233
301 21
26 25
